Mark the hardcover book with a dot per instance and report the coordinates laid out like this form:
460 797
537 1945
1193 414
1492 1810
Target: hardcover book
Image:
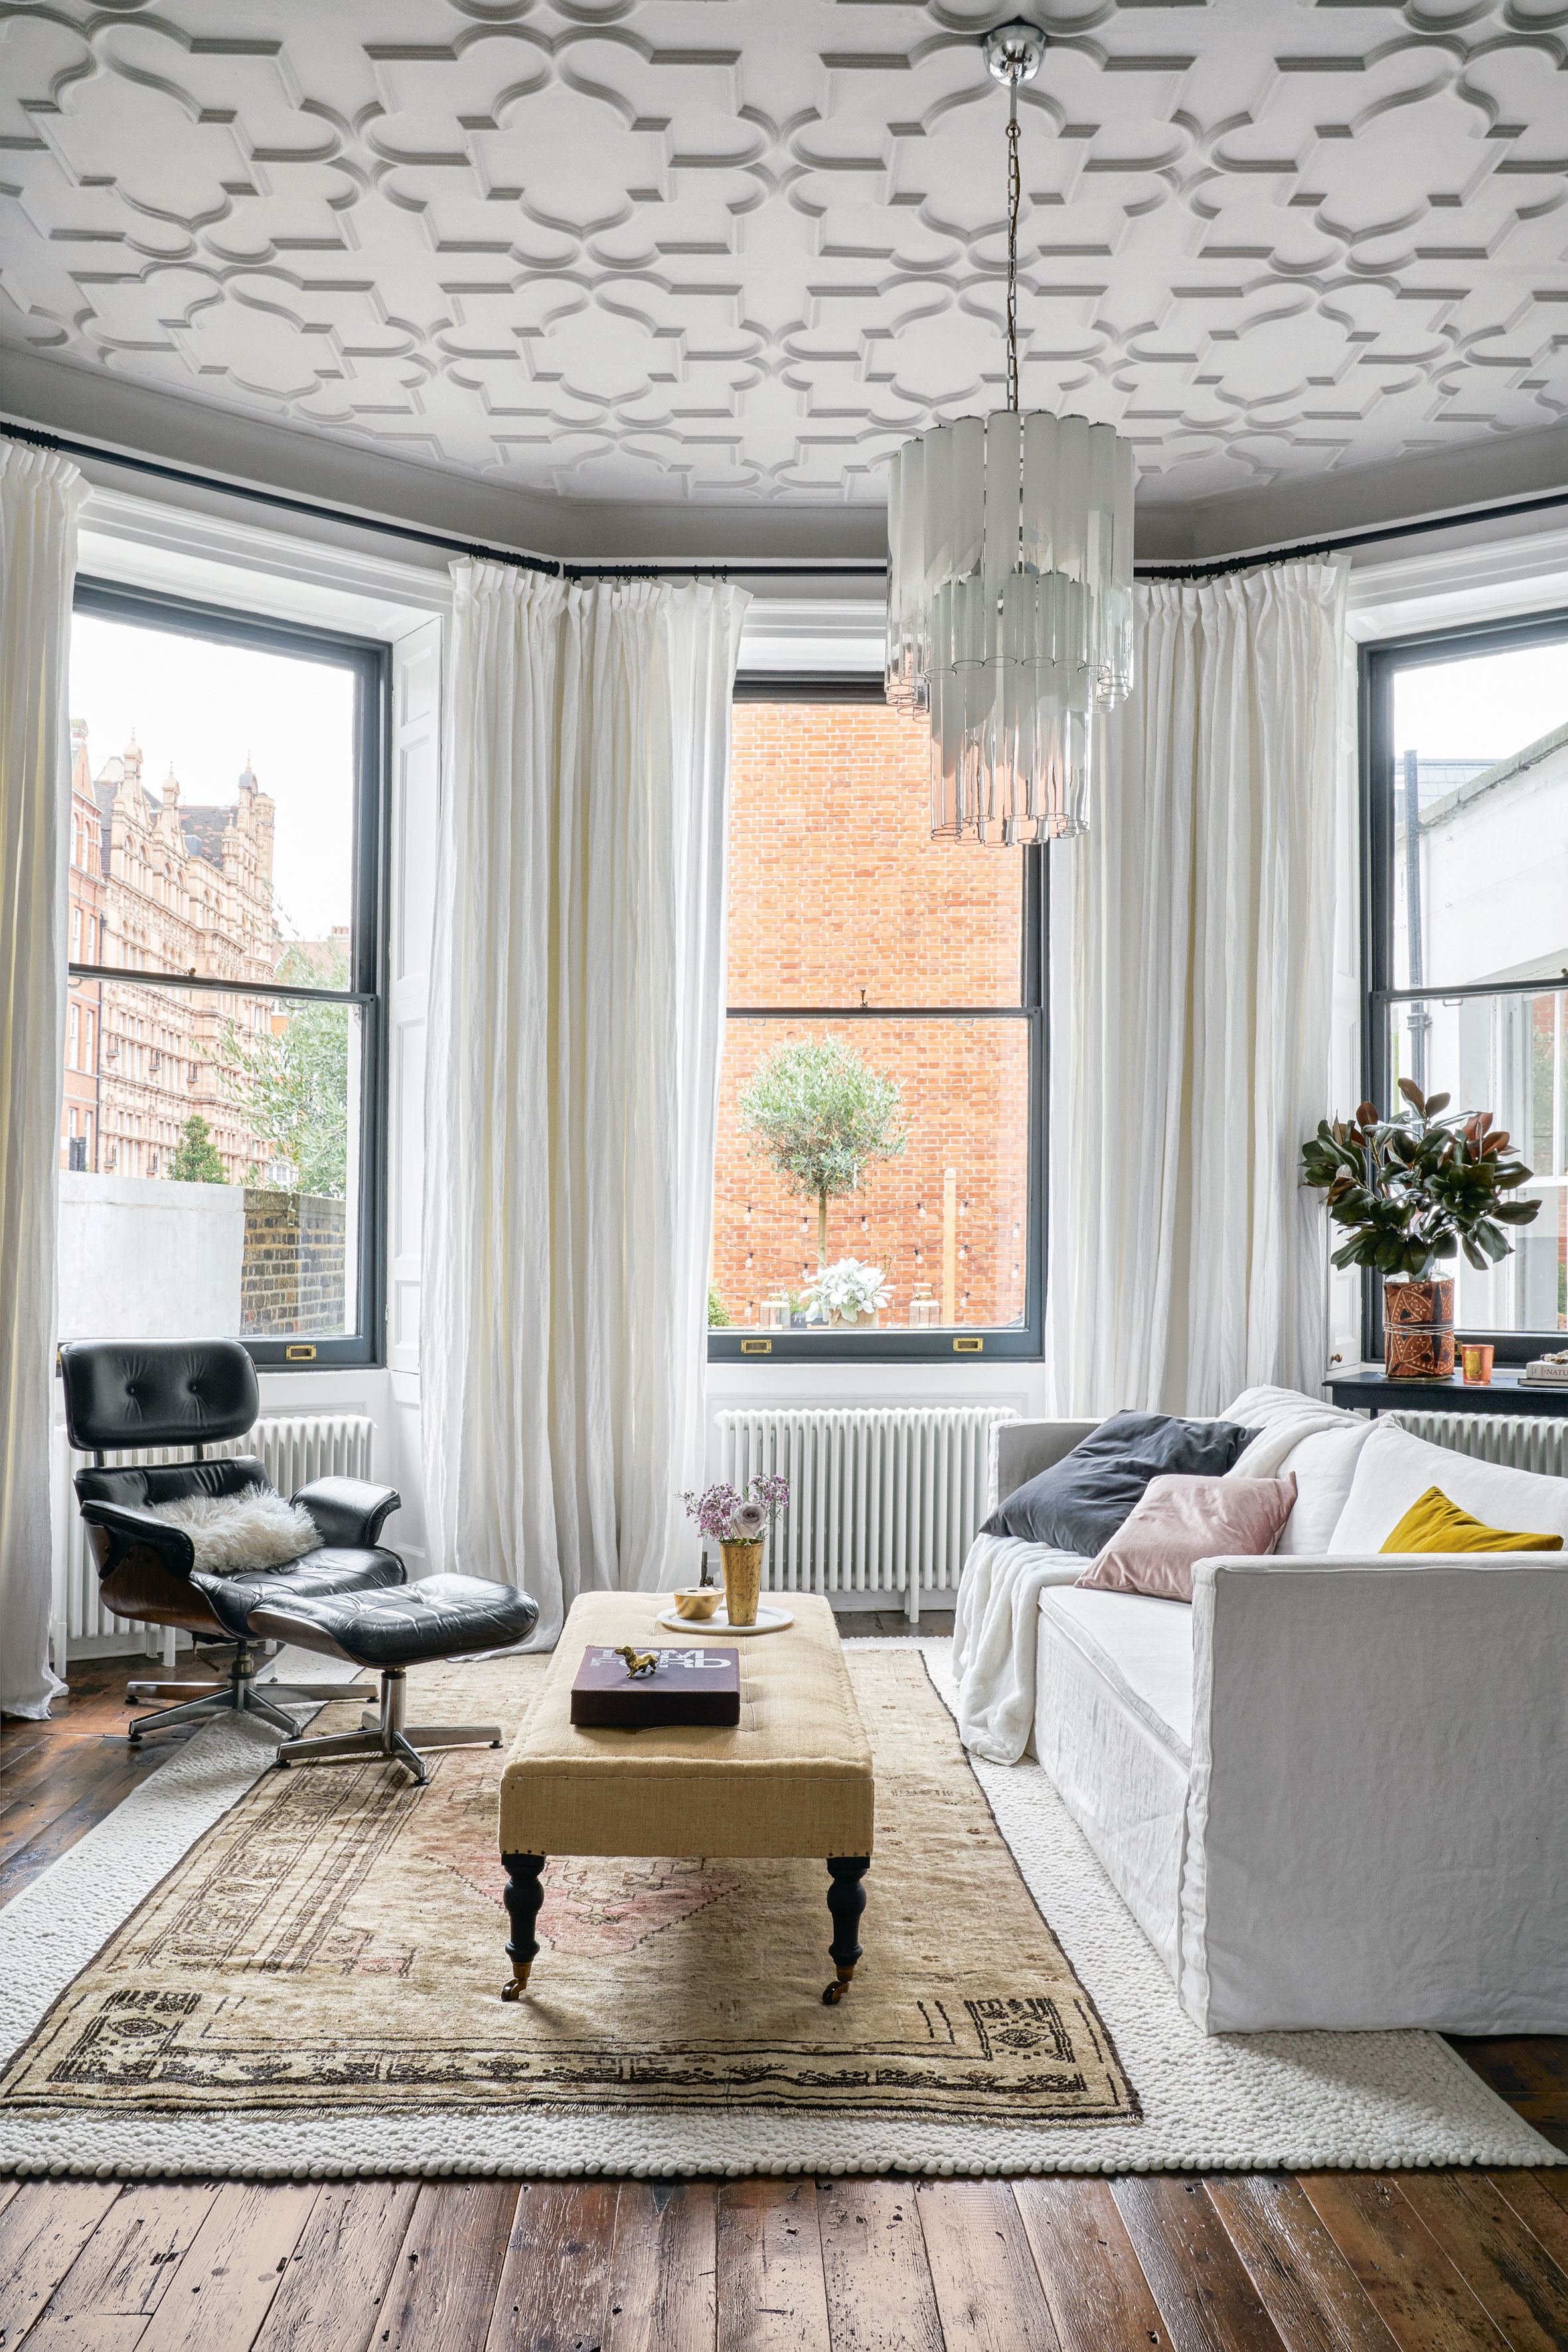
694 1685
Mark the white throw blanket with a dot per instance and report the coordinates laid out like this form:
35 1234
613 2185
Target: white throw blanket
1282 1418
994 1628
996 1620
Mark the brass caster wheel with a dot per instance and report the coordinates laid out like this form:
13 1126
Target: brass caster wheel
833 1994
513 1992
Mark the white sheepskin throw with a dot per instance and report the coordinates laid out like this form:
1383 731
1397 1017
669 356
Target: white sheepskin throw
233 1533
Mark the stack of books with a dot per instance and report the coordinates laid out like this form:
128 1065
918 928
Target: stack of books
1548 1371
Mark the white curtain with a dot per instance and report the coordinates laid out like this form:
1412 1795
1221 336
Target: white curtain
576 1036
39 496
1191 954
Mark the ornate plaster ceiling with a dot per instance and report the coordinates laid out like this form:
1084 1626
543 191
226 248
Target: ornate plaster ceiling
734 251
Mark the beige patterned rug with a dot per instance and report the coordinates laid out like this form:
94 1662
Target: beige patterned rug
335 1943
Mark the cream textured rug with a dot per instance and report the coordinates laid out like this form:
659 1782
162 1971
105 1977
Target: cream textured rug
247 1972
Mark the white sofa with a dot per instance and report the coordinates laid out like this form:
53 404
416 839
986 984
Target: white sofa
1334 1790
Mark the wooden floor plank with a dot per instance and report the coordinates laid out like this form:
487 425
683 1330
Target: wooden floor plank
112 2289
663 2273
443 2287
880 2297
43 2231
329 2298
1530 2072
1530 2196
100 1783
1309 2290
770 2292
220 2294
982 2273
554 2289
1197 2277
1420 2296
1508 2271
1100 2300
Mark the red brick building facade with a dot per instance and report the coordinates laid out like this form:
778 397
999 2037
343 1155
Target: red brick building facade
161 884
838 896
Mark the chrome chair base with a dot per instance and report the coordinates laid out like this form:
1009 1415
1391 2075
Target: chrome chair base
238 1696
386 1732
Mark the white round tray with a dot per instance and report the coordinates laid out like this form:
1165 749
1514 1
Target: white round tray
769 1620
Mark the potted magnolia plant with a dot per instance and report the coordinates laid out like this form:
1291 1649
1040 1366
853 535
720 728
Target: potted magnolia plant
738 1524
848 1291
1411 1192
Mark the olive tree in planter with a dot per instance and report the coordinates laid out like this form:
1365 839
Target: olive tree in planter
820 1118
1411 1192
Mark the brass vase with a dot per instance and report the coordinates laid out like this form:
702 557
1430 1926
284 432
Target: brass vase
1419 1330
742 1581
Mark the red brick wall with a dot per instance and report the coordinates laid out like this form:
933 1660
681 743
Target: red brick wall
835 886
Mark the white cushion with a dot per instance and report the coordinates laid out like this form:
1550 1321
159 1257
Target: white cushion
1323 1467
1139 1643
1395 1469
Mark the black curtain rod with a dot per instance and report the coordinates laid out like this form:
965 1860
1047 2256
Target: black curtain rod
1212 568
1371 537
803 569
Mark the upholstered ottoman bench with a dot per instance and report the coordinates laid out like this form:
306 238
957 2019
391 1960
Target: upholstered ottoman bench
793 1777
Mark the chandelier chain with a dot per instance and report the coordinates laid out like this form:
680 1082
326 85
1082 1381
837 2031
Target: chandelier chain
1015 191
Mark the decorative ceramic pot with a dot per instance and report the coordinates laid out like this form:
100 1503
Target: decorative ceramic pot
861 1322
1419 1330
742 1581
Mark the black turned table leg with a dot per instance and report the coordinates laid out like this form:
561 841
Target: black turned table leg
522 1898
846 1900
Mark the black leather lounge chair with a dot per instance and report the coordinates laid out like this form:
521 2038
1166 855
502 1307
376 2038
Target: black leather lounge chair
124 1395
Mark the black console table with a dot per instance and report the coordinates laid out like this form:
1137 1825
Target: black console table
1366 1388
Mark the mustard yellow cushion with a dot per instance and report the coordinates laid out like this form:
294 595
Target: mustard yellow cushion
1434 1523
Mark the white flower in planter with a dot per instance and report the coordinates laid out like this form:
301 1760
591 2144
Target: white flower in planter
748 1521
849 1289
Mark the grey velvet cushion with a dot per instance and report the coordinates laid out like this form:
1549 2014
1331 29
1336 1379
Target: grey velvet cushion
1080 1501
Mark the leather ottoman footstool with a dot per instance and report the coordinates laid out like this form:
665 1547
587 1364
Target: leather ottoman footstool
405 1625
792 1777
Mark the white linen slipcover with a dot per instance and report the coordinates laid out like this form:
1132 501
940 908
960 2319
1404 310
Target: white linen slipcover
1112 1723
1374 1825
1366 1831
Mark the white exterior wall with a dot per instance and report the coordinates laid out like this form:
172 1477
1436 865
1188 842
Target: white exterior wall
142 1258
1494 880
1494 906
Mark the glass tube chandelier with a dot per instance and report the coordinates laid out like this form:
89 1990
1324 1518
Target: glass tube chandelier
1009 613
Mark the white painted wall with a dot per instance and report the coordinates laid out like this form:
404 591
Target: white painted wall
141 1258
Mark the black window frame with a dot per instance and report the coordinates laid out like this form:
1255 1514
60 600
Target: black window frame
1379 664
369 662
979 1343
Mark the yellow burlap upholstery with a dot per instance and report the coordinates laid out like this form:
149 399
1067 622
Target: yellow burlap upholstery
792 1777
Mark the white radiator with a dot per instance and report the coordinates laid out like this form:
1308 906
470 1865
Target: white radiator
883 1504
1522 1441
294 1448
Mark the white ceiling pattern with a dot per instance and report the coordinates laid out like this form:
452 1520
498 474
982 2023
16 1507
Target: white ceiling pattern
737 251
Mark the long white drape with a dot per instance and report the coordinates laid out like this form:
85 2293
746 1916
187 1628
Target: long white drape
576 1034
39 496
1191 952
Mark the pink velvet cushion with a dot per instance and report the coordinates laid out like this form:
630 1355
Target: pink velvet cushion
1182 1520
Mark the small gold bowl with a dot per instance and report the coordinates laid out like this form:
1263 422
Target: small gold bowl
698 1600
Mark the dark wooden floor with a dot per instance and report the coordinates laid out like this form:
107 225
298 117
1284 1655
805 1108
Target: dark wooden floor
1456 2262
